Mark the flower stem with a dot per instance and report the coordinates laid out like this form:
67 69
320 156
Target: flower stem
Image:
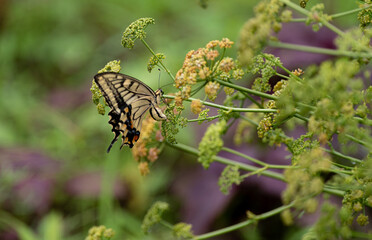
245 223
228 108
337 15
254 159
226 161
326 51
159 60
247 90
307 13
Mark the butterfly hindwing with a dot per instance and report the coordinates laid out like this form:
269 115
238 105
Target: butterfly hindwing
114 121
129 100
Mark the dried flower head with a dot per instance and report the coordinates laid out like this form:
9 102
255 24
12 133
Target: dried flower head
212 44
153 154
196 106
212 54
298 72
211 90
143 168
225 43
226 64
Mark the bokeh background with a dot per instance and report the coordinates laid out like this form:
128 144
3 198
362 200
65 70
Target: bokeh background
56 180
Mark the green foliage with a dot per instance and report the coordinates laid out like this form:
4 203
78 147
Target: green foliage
174 121
327 226
183 231
265 66
211 143
154 61
257 30
365 17
100 232
136 30
229 176
154 215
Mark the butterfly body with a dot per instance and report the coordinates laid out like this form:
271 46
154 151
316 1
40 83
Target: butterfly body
129 100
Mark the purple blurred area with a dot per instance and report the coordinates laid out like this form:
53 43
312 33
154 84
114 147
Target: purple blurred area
31 176
298 33
32 181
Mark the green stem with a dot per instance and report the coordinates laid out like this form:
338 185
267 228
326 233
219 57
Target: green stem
166 224
226 161
326 51
203 119
337 15
360 235
307 13
282 76
245 223
159 60
365 121
325 22
289 72
248 120
246 167
338 154
228 108
247 90
254 159
354 139
335 192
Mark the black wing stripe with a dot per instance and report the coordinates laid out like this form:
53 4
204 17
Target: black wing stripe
129 100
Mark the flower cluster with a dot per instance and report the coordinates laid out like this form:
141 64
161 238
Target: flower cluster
328 227
183 231
146 150
174 121
316 16
154 61
206 64
211 90
365 17
196 106
359 194
265 65
98 232
211 143
304 181
356 40
134 31
153 215
229 176
256 31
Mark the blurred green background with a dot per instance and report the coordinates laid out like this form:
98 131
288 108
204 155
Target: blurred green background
56 180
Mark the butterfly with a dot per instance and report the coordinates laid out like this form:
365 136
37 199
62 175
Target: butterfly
129 100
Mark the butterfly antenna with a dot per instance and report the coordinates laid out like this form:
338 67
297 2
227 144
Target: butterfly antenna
159 77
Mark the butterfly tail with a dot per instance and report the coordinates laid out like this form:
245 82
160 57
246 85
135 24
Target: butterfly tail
114 121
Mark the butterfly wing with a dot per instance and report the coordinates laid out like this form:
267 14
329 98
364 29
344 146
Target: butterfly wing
120 90
129 99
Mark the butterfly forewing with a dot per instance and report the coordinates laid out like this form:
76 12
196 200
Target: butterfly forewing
129 100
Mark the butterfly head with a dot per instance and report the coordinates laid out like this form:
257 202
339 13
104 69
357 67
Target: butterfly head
156 112
159 95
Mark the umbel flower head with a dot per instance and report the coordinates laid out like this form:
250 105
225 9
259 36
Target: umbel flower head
134 31
206 64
